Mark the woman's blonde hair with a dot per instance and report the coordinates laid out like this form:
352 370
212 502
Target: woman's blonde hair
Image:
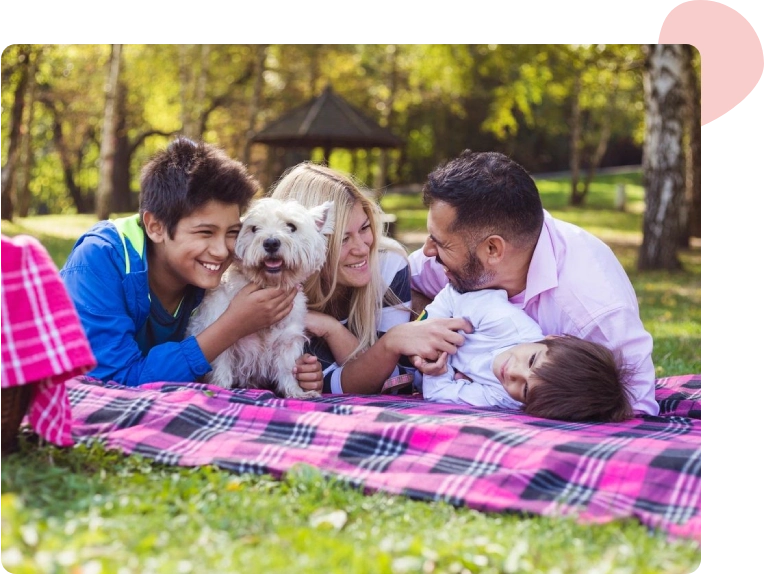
312 184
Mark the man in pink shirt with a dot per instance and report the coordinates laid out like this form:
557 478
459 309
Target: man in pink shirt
488 229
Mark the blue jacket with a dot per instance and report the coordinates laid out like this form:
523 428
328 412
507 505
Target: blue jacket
106 276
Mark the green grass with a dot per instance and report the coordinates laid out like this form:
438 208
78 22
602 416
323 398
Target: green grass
88 510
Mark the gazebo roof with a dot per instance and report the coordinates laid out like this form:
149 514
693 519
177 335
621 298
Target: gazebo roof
326 121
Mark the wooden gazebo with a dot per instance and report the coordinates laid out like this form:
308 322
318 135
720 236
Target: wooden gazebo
327 121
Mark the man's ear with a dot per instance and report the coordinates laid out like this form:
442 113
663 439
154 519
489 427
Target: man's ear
493 247
155 229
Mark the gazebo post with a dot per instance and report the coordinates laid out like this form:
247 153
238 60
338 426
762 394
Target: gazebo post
327 152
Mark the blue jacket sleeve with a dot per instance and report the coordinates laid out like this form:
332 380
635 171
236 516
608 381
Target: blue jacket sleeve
111 309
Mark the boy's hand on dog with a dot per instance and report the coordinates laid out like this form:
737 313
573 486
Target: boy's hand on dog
308 373
261 308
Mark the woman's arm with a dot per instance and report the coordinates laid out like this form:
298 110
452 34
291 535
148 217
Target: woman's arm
366 373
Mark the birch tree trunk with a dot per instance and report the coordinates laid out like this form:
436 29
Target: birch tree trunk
663 160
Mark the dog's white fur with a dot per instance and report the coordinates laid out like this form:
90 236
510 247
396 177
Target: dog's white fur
272 231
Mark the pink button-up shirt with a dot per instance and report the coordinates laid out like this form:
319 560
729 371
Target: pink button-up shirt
43 343
575 286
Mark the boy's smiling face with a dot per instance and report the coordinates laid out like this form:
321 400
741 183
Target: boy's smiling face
200 251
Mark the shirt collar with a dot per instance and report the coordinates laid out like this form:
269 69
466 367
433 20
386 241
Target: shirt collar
542 271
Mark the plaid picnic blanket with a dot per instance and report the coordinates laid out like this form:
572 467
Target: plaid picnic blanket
483 458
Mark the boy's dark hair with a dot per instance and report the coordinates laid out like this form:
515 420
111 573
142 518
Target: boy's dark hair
491 194
581 381
183 177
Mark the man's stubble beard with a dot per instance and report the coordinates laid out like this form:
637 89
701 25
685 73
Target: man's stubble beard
473 276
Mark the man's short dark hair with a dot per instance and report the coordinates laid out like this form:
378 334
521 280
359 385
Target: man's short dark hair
491 194
186 175
580 381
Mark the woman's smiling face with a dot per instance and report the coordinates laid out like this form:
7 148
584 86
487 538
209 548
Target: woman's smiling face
356 245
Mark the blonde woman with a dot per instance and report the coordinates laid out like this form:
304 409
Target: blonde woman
360 301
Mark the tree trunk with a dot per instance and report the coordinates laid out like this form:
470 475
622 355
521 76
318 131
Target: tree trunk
23 195
17 113
692 197
596 158
193 89
108 143
255 102
599 151
387 117
80 202
186 86
575 142
663 157
121 199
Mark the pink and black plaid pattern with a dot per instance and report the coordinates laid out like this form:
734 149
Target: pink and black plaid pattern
647 468
42 338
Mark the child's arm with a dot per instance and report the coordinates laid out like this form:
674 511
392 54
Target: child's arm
450 389
111 313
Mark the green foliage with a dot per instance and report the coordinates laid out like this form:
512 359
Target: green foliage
439 99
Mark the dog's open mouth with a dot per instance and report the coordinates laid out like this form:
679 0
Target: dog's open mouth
274 265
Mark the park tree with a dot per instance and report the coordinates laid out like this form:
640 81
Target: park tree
439 99
598 90
690 217
105 181
22 174
255 100
663 158
21 68
70 89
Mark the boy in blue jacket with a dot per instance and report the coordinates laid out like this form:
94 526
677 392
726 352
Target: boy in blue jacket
136 280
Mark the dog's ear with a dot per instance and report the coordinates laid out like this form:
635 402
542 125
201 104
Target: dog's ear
323 215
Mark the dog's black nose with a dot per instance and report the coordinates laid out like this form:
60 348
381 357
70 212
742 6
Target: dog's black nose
271 245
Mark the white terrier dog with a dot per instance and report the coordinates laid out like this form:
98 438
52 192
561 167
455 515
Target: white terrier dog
281 243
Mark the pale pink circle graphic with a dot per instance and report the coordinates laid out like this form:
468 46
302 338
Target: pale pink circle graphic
731 58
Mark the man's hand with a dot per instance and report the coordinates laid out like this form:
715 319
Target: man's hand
308 373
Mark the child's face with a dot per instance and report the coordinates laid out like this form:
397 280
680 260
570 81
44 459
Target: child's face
513 368
202 248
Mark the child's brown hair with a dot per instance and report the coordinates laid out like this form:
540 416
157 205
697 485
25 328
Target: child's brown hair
186 175
580 381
